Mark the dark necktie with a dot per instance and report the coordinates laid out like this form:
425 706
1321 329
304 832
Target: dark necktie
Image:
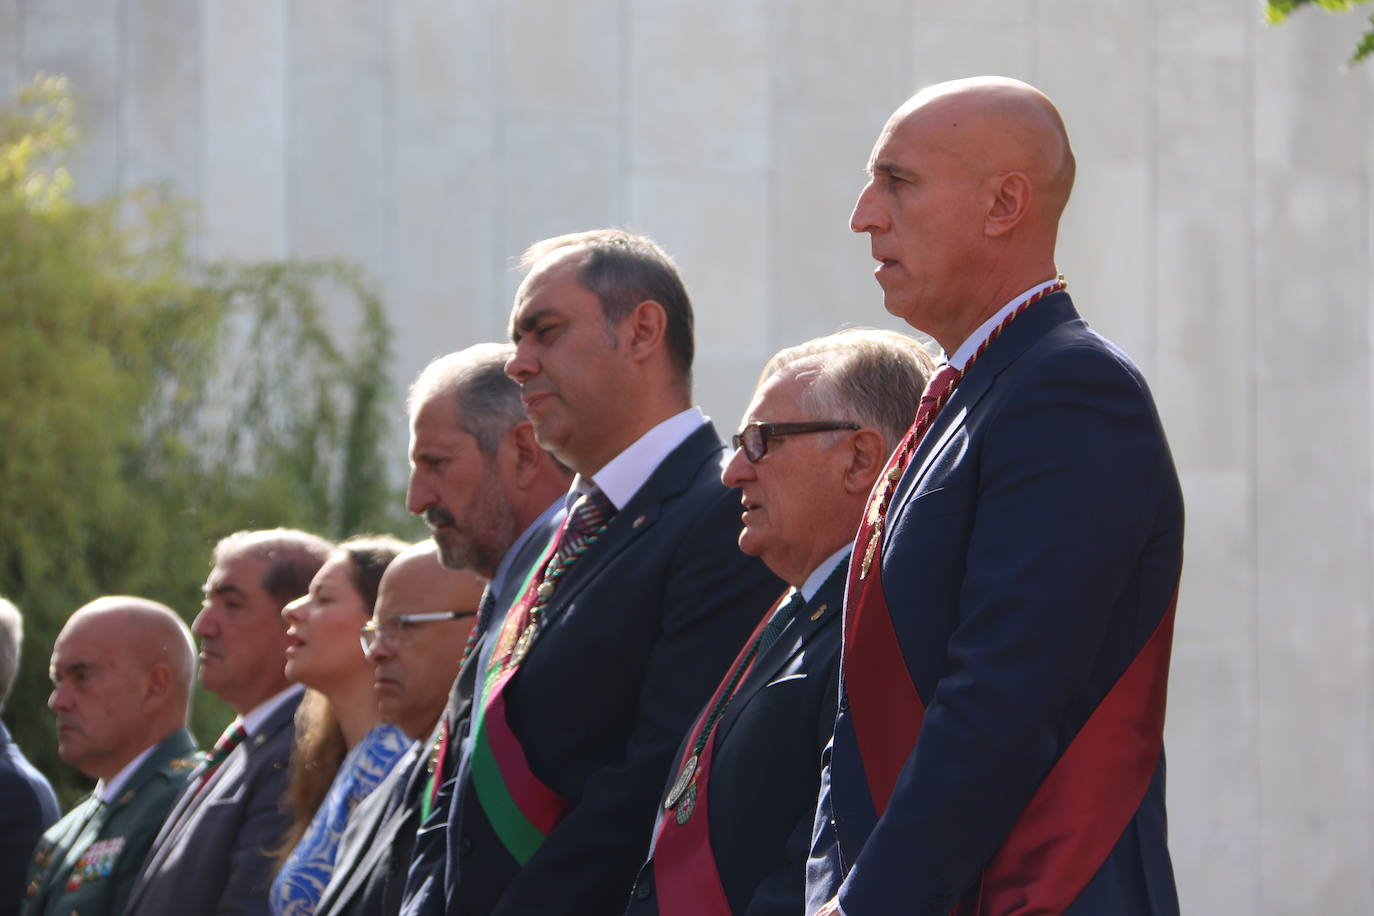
459 694
484 612
779 621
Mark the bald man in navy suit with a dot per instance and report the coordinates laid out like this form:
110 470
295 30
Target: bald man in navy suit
1010 606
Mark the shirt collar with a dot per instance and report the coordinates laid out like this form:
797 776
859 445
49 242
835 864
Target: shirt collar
498 581
622 477
960 358
109 791
259 714
822 572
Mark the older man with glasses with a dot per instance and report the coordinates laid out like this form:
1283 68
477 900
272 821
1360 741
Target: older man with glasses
415 639
734 825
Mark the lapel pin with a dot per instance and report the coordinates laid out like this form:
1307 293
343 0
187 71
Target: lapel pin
816 614
637 522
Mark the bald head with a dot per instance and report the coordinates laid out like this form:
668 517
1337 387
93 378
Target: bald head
122 669
149 632
417 659
993 124
969 180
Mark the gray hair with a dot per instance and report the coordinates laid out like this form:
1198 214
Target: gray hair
864 375
11 641
293 558
486 401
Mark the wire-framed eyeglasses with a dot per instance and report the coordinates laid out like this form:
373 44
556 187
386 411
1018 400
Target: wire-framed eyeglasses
754 437
395 630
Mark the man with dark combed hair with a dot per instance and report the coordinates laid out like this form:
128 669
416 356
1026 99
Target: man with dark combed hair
212 854
589 678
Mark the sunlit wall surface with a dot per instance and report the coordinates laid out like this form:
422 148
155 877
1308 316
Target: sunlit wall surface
1220 232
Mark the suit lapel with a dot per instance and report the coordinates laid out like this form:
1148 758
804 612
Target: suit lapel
73 847
237 761
178 744
1037 321
812 618
673 475
359 860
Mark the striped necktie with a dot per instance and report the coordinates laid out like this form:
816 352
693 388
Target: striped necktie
591 510
233 736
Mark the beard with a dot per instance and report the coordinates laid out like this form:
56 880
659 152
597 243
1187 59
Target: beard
482 538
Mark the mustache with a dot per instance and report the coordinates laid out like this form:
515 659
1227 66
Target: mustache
437 515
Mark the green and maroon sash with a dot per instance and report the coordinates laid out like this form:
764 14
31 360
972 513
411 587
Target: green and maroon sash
521 809
685 867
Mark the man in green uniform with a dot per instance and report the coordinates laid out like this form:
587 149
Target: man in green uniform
121 672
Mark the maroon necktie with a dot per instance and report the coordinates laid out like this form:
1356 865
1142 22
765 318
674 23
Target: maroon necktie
933 400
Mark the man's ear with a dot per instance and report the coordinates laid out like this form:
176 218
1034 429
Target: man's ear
642 330
867 456
1011 194
519 453
157 683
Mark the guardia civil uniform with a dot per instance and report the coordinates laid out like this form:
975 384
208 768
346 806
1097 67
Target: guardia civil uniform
86 863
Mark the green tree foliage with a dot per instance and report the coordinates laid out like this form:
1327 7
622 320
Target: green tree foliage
1278 10
151 404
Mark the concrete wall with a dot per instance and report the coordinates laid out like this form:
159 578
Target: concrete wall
1220 231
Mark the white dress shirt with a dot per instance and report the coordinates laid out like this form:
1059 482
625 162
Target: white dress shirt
961 357
622 477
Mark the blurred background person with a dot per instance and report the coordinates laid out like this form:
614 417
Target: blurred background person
212 854
28 805
121 673
343 749
415 641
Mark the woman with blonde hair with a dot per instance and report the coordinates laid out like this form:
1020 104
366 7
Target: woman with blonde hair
343 749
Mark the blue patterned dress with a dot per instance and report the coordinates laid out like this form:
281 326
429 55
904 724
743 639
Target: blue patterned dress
302 879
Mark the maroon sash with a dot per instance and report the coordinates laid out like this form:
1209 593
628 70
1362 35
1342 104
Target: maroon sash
684 863
1082 807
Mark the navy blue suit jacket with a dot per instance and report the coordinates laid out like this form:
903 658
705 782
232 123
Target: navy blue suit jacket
765 768
27 808
213 854
632 643
427 874
1034 543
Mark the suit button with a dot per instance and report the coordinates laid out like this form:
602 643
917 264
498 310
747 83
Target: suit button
642 890
464 846
844 702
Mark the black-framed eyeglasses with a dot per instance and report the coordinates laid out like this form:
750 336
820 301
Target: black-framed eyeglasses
396 629
754 437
